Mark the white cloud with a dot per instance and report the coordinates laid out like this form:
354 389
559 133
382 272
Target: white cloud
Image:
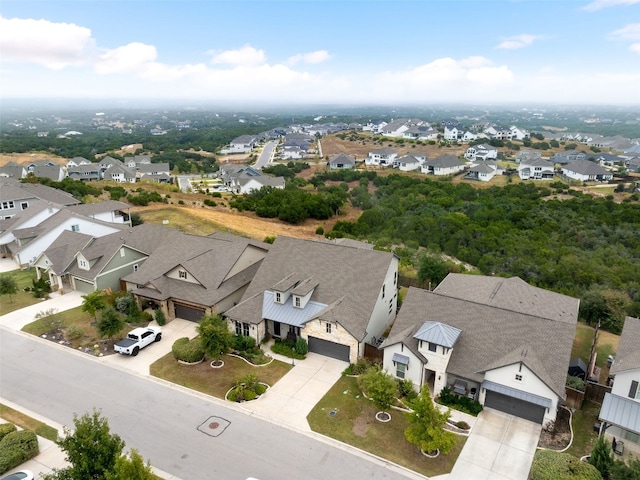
246 55
635 48
54 45
516 42
129 58
628 32
600 4
318 56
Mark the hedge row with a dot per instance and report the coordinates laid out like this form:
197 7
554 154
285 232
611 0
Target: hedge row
16 448
550 465
186 350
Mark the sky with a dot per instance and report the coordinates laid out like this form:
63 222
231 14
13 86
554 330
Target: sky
310 52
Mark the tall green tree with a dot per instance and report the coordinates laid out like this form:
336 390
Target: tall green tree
432 270
426 425
215 335
93 302
380 387
110 323
602 456
8 286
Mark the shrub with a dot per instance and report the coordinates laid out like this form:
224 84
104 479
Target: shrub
209 203
286 348
74 332
16 448
463 404
145 317
576 383
123 303
160 318
301 347
550 465
405 388
6 429
186 350
243 343
320 231
463 425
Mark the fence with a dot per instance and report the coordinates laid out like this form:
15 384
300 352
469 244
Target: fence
373 353
574 399
595 392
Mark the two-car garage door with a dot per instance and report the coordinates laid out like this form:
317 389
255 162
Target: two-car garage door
187 312
329 349
515 406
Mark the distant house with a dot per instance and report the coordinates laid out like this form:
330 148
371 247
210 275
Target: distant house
76 161
85 173
518 133
341 161
563 158
527 155
292 152
16 197
408 163
246 184
241 144
443 165
585 171
484 171
383 157
620 411
536 169
421 132
155 172
52 172
120 173
453 131
481 151
13 170
498 132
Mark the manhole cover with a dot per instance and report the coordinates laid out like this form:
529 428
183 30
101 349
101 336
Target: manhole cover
214 426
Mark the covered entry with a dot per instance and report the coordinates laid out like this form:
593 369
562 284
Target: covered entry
188 312
515 402
329 349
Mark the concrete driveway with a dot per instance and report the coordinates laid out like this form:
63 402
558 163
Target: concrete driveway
500 447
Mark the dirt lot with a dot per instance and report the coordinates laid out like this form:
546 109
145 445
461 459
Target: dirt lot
22 158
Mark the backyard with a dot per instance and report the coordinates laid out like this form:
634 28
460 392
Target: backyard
345 415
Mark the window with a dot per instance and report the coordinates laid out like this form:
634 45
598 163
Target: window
278 297
297 301
238 328
75 228
135 267
383 289
328 327
245 329
634 391
182 274
518 377
433 347
400 370
24 205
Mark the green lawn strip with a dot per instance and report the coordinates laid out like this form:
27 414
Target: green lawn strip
354 423
215 381
583 435
21 299
607 344
73 317
28 423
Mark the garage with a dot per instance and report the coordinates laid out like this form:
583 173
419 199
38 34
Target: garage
329 349
516 402
83 286
187 312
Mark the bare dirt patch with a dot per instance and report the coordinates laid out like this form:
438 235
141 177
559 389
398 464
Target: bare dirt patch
558 437
361 425
25 158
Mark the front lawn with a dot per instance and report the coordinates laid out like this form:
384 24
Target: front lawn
344 414
21 299
215 381
28 423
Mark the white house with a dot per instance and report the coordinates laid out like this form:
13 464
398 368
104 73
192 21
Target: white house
443 165
245 184
499 341
383 157
453 132
341 161
536 169
620 411
518 133
241 144
481 151
484 171
585 170
408 163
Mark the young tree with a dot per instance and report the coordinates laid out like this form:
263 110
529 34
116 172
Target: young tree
93 302
427 422
602 456
380 387
91 449
132 467
216 337
8 286
110 323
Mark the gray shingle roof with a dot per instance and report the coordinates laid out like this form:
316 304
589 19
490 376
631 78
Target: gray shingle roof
64 249
491 337
444 161
349 280
510 294
586 167
342 158
91 209
11 189
628 356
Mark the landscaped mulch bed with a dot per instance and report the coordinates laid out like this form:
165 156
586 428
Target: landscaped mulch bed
560 436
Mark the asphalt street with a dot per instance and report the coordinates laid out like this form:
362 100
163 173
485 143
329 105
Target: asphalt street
187 434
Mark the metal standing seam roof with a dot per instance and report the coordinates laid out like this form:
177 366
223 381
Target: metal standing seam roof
515 393
399 358
621 411
438 333
288 314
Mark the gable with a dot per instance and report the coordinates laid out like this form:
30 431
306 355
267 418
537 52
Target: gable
181 273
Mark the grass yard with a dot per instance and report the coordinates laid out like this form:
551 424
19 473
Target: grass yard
215 381
28 423
21 299
76 326
606 345
354 423
583 435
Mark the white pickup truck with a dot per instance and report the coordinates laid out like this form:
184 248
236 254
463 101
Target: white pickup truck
137 339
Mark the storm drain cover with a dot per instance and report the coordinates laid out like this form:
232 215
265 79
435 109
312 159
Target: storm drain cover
214 426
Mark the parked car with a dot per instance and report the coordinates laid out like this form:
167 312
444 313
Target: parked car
21 475
137 339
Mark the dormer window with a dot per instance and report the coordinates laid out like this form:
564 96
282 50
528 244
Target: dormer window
182 274
328 327
296 301
75 228
278 297
433 347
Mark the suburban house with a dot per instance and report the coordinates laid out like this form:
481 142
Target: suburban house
204 276
481 151
568 156
585 171
443 165
408 163
382 157
337 296
497 340
292 152
52 172
16 196
498 132
536 169
155 172
247 184
76 161
229 172
453 131
241 144
421 132
13 170
518 133
111 211
527 155
76 261
620 411
341 161
117 172
484 171
24 241
85 173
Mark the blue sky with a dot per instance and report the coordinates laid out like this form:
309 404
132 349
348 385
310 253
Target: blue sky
323 51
